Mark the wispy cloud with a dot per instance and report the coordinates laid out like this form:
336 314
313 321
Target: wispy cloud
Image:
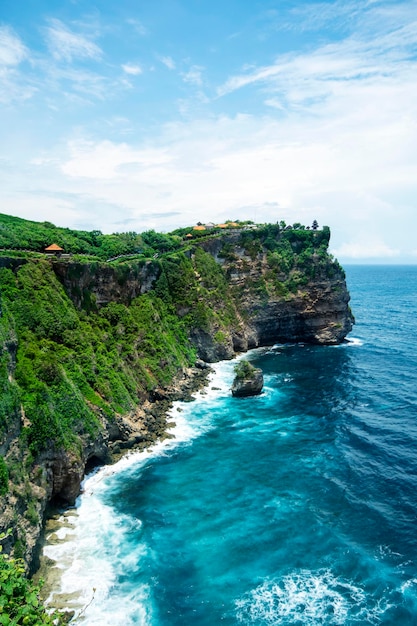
67 45
193 76
13 85
339 14
73 82
138 26
110 160
380 49
366 246
168 62
12 49
132 69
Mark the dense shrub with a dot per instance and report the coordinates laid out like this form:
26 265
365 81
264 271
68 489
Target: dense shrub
243 369
4 477
19 597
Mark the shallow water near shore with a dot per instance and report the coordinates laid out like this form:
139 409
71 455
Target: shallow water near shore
296 507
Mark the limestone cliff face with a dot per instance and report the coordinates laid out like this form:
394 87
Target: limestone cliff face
256 300
315 311
96 284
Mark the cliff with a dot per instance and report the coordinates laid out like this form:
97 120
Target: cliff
93 353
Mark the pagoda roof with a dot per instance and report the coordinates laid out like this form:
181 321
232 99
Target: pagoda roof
54 248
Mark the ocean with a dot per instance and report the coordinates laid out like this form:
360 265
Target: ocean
297 507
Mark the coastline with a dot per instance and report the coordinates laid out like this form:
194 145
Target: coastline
56 558
71 586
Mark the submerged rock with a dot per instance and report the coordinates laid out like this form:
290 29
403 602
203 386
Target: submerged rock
248 381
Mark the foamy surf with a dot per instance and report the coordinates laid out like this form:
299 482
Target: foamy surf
92 548
353 341
308 598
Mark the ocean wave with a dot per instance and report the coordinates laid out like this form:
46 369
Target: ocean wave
308 598
353 342
94 547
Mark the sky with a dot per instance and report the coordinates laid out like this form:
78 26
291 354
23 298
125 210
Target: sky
136 114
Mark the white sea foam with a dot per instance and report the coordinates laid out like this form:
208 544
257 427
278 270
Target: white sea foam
353 341
93 546
307 598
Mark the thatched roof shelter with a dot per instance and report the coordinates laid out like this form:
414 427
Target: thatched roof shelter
54 249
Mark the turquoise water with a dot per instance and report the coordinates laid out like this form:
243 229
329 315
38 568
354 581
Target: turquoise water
296 507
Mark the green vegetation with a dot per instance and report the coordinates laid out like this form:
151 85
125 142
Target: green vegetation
28 238
243 370
72 364
75 366
195 288
19 597
4 477
295 255
9 393
17 234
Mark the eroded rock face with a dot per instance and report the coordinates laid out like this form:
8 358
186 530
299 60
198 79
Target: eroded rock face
209 350
95 284
319 315
57 473
316 311
251 386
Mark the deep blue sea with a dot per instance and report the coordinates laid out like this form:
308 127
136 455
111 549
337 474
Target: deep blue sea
294 508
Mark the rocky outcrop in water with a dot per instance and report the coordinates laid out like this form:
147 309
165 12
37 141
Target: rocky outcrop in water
249 380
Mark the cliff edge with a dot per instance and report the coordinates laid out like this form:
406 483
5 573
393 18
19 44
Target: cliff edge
92 353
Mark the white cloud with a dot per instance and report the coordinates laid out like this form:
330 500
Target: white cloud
316 15
366 246
168 62
138 26
108 160
299 78
130 68
12 49
193 76
67 45
13 85
335 142
75 83
220 167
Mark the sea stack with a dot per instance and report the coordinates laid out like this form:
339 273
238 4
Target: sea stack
248 381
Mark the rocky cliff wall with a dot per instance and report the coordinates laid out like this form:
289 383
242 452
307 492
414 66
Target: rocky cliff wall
273 305
231 293
54 477
96 284
316 310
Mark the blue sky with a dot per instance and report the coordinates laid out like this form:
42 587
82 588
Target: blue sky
144 114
